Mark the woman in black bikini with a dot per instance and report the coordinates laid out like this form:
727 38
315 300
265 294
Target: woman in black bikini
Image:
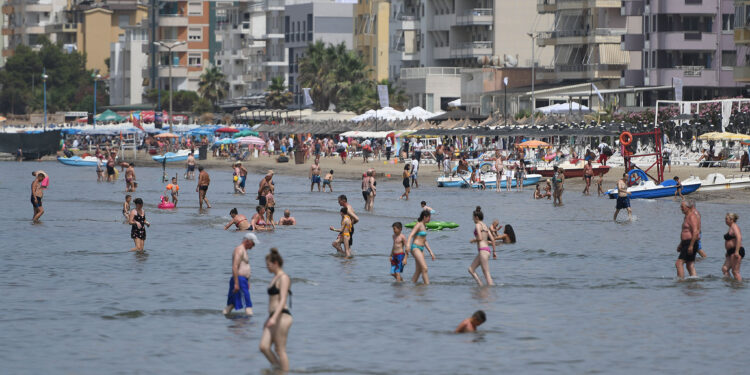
137 220
733 244
277 326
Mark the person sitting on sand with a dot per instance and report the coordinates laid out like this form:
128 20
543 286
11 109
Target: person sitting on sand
287 219
470 324
238 220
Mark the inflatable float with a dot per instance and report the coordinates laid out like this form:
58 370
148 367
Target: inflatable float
435 225
165 205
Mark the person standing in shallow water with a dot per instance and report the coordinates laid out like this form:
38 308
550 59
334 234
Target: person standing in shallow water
239 284
37 193
203 181
137 220
688 237
623 197
484 239
276 329
417 243
733 244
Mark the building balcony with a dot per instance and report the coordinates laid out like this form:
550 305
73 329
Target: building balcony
173 20
37 8
421 73
583 71
685 7
742 36
472 49
273 5
567 37
477 16
551 6
690 75
409 56
631 42
7 31
545 6
441 53
273 35
407 22
70 27
632 8
632 78
274 63
742 74
177 71
683 40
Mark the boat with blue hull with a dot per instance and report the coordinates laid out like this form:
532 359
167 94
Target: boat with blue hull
77 161
650 190
489 179
181 155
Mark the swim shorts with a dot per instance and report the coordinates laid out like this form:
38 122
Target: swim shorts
684 255
243 295
262 201
366 195
730 252
110 170
315 179
271 209
326 182
204 187
397 265
36 202
191 168
242 181
622 202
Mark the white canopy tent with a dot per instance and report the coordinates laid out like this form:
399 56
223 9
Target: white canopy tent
562 108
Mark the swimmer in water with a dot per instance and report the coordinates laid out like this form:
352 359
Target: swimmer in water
203 181
599 182
137 220
126 206
130 184
733 245
327 181
470 324
508 236
398 256
238 220
37 193
688 236
239 284
173 190
288 219
276 329
407 187
417 243
426 207
484 239
345 234
257 223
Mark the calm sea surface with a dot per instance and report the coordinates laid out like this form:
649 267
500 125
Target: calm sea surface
576 294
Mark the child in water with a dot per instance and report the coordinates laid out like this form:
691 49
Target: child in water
327 181
470 324
425 207
126 207
398 256
599 181
173 189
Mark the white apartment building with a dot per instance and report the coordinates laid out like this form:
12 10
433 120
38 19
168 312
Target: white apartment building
127 59
28 20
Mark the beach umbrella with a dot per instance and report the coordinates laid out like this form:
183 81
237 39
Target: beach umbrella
166 135
2 118
245 133
225 141
109 115
533 144
714 136
251 140
226 130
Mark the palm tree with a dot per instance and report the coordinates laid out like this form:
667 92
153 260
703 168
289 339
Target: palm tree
213 85
277 95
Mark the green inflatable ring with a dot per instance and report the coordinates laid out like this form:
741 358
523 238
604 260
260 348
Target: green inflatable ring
435 225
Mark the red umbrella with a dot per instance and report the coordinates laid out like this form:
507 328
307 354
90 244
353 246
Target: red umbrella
227 130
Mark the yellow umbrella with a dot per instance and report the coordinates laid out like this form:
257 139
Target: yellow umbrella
737 136
533 144
712 136
2 118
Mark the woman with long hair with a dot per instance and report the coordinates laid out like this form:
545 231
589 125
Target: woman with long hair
508 236
484 239
417 243
276 329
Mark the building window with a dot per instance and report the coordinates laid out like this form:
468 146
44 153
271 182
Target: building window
728 58
195 34
195 8
194 59
727 22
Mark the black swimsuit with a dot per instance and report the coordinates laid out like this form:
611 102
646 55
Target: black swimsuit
136 232
729 237
272 291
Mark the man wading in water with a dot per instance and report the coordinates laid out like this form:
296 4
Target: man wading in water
36 197
202 188
688 236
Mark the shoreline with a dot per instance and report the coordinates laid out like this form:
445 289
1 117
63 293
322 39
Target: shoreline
354 168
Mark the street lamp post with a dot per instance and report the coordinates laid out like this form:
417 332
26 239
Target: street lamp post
97 77
44 82
169 47
533 77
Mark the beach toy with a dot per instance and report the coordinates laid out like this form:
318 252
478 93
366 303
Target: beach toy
45 182
164 205
435 225
235 178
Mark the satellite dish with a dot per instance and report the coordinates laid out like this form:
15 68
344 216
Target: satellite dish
510 61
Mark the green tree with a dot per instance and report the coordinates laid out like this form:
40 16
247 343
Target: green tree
277 95
182 101
69 86
202 106
213 85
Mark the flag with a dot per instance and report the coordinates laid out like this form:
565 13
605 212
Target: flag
383 95
308 99
135 119
505 81
677 83
596 90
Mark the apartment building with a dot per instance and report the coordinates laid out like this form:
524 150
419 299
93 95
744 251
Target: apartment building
692 40
459 34
310 21
372 35
240 27
29 20
586 38
742 40
127 58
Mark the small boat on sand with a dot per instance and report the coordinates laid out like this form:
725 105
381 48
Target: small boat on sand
181 155
717 181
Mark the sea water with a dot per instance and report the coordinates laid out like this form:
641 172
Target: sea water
577 293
